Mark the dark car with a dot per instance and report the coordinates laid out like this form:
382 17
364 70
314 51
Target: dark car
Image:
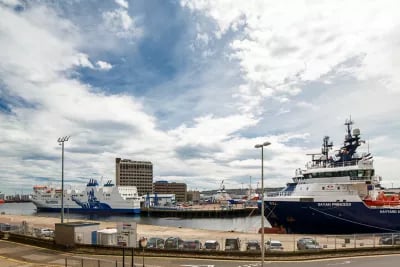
232 244
155 242
5 227
253 245
173 243
192 245
307 243
390 239
211 245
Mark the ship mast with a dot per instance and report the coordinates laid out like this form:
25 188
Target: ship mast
351 142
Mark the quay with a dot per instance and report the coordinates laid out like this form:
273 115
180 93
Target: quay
200 211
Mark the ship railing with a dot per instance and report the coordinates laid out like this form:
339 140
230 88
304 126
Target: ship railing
355 162
279 194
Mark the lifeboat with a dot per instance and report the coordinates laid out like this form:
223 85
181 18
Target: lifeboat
39 187
382 200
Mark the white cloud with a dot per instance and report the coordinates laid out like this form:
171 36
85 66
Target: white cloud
210 131
278 52
121 24
10 3
287 44
122 3
35 70
22 37
83 60
102 65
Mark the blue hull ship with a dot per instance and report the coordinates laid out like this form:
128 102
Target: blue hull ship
337 193
94 199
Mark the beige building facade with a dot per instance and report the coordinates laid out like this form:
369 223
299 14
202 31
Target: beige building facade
193 196
134 173
179 189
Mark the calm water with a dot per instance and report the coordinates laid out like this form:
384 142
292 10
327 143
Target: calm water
238 224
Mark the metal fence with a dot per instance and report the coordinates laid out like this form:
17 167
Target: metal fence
87 262
289 241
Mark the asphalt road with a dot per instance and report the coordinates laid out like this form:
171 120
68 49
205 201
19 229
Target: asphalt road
15 254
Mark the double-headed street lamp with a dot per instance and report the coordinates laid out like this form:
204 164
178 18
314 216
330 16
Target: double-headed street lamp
61 141
262 199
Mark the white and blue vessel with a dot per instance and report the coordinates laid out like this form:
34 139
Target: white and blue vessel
95 199
336 193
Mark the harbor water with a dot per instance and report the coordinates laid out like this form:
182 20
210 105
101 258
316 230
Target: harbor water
249 224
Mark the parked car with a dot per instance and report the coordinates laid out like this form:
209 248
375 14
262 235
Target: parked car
232 244
173 243
5 227
273 246
390 239
253 245
46 232
192 245
211 245
307 243
155 242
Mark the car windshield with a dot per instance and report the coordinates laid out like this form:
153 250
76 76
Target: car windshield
309 241
171 241
210 245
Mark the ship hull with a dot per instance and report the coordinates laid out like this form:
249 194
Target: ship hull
91 211
331 217
95 199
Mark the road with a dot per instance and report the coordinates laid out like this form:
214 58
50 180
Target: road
15 254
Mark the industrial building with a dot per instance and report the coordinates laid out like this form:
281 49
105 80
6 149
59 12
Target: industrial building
193 196
164 187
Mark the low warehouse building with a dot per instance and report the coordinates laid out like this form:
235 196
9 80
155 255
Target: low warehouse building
71 233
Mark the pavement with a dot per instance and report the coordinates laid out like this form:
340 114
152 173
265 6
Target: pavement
14 254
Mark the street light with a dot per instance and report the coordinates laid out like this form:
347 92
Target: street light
262 199
61 141
143 243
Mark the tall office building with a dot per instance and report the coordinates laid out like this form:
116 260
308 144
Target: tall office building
136 173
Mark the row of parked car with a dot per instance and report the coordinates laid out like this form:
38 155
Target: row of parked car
231 244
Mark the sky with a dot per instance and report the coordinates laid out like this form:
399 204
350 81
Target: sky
192 86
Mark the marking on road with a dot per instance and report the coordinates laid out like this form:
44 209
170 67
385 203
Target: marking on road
253 264
195 265
339 263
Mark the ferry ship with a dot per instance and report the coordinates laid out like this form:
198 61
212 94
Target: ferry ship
95 199
335 194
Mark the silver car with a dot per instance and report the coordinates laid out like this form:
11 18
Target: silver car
308 243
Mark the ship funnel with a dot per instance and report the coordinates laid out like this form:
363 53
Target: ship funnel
356 132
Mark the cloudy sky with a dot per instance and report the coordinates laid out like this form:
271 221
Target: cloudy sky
192 86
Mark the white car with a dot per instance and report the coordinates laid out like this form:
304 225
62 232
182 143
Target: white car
274 245
46 232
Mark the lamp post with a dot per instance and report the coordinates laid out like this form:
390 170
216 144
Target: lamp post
262 199
143 243
61 141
